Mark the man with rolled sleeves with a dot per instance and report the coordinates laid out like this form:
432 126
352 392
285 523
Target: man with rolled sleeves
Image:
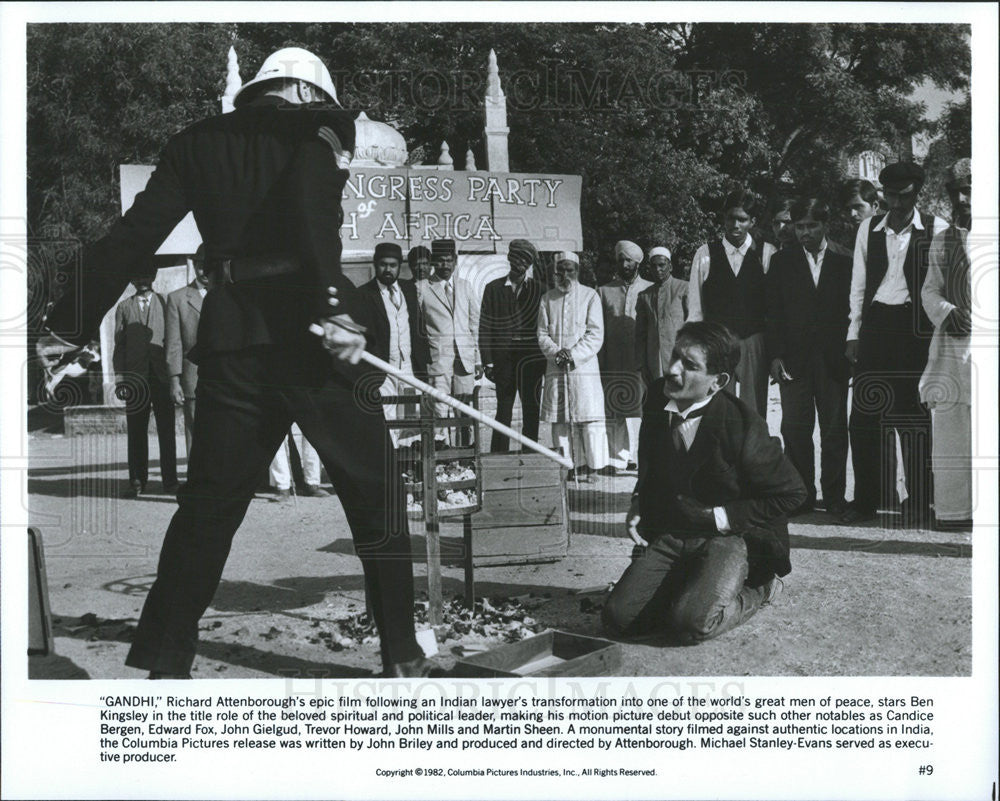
620 374
887 343
508 341
264 183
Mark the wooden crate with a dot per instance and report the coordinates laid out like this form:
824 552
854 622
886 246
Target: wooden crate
551 653
524 517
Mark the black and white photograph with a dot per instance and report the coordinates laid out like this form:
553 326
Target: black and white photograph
624 386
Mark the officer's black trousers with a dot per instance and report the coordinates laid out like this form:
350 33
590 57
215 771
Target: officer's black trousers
246 402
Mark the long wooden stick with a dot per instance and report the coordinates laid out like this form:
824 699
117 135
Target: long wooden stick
456 404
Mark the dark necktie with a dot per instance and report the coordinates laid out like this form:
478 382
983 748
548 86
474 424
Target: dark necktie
676 421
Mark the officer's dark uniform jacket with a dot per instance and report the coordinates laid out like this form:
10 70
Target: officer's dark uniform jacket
258 191
265 186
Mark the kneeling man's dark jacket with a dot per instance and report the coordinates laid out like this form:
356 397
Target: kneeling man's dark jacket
733 462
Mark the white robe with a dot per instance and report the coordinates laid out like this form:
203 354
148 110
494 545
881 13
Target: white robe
572 320
946 384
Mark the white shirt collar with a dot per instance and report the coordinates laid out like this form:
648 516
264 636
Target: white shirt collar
742 249
916 222
821 252
672 406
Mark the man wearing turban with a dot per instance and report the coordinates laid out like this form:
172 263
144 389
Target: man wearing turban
623 387
508 341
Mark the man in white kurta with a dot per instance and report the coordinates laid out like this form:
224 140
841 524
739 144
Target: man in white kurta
570 333
946 384
620 373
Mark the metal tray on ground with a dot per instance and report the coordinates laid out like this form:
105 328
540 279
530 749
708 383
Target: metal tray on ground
551 653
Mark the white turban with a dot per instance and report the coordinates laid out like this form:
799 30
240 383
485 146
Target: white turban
630 249
567 255
659 251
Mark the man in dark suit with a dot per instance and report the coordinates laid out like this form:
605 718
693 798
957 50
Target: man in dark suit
141 367
395 333
708 511
180 336
508 341
807 314
887 343
265 184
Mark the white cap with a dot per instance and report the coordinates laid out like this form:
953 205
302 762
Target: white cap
659 251
297 64
567 255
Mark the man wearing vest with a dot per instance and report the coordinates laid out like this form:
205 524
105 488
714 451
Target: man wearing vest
727 286
887 342
508 341
140 363
394 332
708 511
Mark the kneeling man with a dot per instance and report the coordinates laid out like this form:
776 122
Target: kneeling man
708 511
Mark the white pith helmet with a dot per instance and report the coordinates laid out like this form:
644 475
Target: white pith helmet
295 63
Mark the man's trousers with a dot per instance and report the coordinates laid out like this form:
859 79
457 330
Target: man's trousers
142 393
750 382
691 587
817 392
518 372
247 400
886 397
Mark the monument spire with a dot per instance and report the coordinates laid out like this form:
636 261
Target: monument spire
496 129
233 81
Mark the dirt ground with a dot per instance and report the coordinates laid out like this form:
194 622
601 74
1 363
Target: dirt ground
873 600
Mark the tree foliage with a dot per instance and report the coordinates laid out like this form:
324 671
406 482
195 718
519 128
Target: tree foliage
659 119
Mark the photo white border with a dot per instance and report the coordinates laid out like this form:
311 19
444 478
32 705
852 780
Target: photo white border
48 726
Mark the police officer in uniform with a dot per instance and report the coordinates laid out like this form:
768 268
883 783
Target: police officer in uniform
264 183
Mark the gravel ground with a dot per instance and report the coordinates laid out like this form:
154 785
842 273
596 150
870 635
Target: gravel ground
871 600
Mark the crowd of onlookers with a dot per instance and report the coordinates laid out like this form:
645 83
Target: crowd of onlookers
888 315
